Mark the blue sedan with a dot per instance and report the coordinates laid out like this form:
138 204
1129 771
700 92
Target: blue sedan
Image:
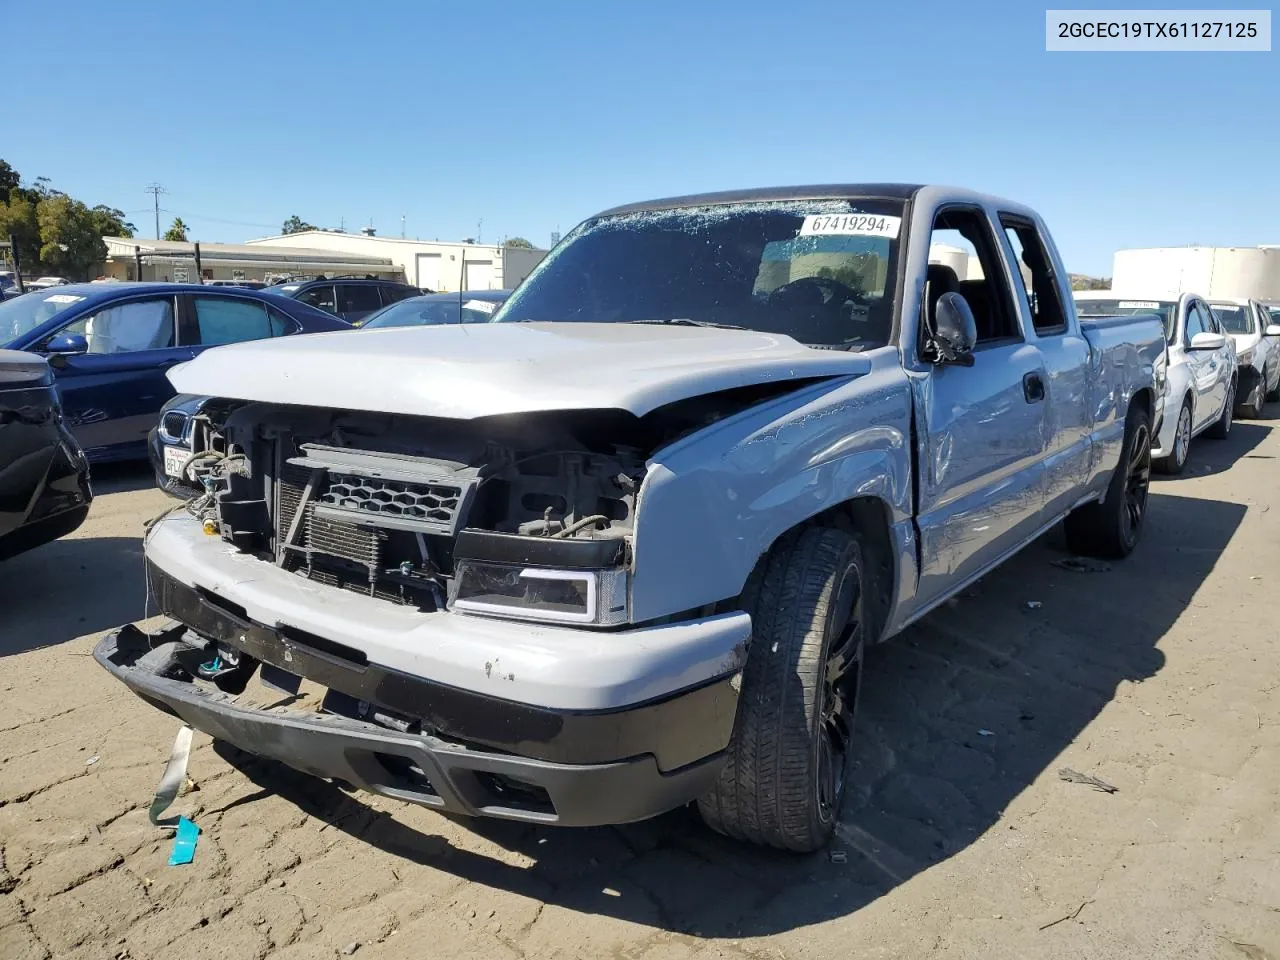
111 344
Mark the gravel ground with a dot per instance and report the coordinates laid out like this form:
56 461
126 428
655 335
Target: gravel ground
1160 677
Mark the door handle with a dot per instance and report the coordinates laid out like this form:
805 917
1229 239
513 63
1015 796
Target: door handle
1033 388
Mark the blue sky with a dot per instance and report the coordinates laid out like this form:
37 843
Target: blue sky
531 116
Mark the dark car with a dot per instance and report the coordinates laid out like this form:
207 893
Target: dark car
351 298
44 477
110 345
470 306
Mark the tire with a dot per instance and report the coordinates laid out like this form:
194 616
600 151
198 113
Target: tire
1221 428
783 778
1257 400
1176 461
1111 527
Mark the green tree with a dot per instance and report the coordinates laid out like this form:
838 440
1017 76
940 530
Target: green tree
296 224
177 230
8 180
111 222
70 244
18 217
519 242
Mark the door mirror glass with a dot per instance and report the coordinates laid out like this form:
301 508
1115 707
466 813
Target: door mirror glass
1207 341
954 330
1273 330
70 344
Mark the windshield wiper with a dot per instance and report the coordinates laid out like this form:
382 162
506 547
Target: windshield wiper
686 322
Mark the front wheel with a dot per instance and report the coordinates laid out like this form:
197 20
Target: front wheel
782 783
1257 399
1111 527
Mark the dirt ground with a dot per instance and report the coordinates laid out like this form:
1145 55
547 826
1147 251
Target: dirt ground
1161 676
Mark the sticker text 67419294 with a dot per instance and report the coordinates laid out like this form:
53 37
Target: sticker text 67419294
850 225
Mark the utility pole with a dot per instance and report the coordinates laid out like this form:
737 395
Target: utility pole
155 190
402 226
479 226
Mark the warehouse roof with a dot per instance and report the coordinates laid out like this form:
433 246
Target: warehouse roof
233 252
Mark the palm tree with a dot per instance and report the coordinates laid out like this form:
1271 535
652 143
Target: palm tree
177 230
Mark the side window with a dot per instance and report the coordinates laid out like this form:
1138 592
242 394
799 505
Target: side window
1210 319
1039 284
963 260
392 295
128 327
281 326
1195 320
320 297
358 299
230 320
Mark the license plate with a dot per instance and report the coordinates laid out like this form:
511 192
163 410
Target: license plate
174 458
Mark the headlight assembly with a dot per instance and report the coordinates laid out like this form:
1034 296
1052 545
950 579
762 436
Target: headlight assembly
588 597
578 582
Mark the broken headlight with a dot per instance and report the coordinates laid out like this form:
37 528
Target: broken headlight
589 597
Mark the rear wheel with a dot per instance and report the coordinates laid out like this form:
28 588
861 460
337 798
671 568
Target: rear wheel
783 779
1111 527
1221 428
1176 461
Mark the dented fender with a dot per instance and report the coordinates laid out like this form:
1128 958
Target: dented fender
713 503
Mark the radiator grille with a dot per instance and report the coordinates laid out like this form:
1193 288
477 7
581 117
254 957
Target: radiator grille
433 502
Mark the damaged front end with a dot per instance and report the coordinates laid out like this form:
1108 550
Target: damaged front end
528 517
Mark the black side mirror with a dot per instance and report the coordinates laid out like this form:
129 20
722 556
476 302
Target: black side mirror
954 331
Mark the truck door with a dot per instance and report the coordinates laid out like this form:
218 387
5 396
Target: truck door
982 430
1065 354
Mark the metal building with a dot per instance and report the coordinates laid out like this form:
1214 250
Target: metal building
1165 272
432 265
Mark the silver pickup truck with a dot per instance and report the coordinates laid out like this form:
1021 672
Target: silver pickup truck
623 547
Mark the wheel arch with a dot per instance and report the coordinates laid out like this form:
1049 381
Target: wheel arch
870 519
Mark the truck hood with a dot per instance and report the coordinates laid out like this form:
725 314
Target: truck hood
463 371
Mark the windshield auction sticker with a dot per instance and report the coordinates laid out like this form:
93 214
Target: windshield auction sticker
1139 305
850 225
1194 31
63 298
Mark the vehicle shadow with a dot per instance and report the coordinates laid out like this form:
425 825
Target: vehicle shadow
69 588
122 477
960 714
1209 456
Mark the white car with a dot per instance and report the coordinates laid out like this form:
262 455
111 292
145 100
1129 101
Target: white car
1200 376
43 283
1257 340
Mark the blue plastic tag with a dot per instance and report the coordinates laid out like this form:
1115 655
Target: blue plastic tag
184 843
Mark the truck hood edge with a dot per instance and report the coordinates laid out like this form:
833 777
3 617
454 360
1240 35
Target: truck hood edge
465 371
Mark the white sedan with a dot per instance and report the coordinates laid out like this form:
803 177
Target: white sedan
1200 377
1257 339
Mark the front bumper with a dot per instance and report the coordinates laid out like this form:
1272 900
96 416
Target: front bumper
465 751
170 485
420 768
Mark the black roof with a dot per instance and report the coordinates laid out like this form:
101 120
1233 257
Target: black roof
826 191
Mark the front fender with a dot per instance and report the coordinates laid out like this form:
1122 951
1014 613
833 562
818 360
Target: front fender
712 504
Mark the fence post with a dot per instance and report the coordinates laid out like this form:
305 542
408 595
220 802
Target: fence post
199 272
